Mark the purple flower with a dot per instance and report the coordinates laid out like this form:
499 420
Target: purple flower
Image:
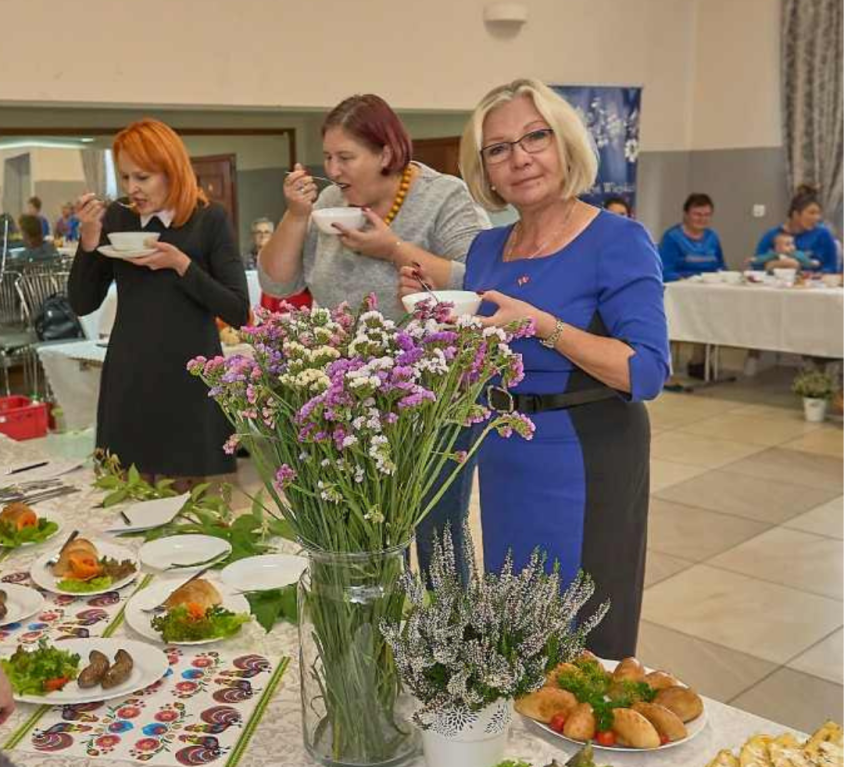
419 396
285 476
230 445
196 365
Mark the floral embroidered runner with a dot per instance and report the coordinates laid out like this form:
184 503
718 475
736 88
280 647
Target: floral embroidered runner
203 711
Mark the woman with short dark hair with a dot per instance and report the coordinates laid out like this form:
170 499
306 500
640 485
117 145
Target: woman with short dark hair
691 247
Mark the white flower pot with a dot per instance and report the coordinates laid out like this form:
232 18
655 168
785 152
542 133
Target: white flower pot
814 409
461 738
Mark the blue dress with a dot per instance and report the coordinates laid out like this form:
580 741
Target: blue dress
683 256
579 489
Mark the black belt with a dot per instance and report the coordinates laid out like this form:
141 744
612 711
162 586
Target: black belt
507 402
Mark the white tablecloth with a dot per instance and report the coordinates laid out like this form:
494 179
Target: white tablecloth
795 320
277 741
99 323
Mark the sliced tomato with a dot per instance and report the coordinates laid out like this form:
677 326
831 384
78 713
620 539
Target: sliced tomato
663 739
605 738
51 685
558 721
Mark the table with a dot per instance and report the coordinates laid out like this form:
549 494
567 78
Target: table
795 320
278 738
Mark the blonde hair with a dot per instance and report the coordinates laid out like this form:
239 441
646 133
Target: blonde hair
576 149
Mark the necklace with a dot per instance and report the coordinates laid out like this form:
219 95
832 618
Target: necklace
508 255
404 185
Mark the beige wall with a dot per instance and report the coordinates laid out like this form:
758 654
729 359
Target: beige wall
736 75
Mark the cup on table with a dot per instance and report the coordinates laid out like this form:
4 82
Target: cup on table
786 276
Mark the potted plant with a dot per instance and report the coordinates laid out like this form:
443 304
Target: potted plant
816 388
468 651
350 419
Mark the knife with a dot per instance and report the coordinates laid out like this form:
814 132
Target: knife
27 468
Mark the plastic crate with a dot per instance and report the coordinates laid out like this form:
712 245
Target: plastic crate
21 418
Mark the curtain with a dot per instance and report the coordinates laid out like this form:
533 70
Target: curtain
812 61
94 168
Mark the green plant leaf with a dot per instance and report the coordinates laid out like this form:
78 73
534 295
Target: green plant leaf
274 605
116 497
134 476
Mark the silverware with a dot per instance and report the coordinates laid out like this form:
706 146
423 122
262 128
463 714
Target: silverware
126 519
317 178
119 201
160 608
47 495
70 538
27 468
417 273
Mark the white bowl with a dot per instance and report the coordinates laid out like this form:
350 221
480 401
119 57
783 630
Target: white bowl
731 278
130 241
465 301
786 275
348 218
710 278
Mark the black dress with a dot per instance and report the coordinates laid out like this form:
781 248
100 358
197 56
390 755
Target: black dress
152 412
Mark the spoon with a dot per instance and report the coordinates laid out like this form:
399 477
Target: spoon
417 273
317 178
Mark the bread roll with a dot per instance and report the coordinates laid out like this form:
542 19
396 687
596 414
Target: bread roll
629 670
199 592
683 701
659 680
552 677
580 723
79 547
545 703
632 729
666 722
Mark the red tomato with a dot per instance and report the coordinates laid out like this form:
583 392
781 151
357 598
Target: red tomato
557 722
663 739
51 685
605 738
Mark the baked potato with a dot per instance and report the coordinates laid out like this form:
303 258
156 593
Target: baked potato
683 701
119 672
93 673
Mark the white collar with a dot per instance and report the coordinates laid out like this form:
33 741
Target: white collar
164 216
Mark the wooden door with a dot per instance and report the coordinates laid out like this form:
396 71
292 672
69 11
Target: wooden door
441 154
217 177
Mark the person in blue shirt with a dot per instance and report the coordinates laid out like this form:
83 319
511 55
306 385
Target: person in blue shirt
68 225
811 236
591 282
784 255
33 208
691 247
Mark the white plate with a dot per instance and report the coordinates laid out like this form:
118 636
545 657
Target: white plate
149 514
164 553
21 602
693 728
111 252
157 592
268 571
50 516
150 664
42 574
51 470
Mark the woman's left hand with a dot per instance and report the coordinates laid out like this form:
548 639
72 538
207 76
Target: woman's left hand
377 241
512 310
166 257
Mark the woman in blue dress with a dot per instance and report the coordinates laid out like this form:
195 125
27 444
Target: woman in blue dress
592 283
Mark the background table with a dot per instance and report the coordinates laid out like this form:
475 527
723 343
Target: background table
796 320
278 738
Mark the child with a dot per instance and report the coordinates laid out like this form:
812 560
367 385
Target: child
784 254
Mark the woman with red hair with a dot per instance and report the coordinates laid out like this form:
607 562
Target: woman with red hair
151 412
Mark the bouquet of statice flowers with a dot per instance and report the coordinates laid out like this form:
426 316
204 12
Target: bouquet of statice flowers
463 646
351 417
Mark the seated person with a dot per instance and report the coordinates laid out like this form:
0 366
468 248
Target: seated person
691 247
33 208
67 227
35 249
618 205
262 230
811 236
784 255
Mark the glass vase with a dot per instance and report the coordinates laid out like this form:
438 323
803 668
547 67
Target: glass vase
352 705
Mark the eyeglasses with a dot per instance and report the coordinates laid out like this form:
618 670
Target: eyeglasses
532 142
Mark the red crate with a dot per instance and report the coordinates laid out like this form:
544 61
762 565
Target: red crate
21 418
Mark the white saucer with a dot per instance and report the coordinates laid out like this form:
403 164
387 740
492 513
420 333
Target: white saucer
268 571
111 252
178 551
21 602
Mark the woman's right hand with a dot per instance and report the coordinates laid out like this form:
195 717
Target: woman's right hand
90 212
300 191
409 281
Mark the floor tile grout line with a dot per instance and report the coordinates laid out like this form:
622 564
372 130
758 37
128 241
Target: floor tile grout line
790 668
745 575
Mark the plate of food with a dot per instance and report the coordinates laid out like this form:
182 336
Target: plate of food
18 602
21 525
193 613
619 706
184 552
77 671
825 746
85 567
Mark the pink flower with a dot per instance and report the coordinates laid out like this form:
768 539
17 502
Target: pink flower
285 476
230 445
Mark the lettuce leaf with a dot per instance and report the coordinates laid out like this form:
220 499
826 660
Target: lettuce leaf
11 537
75 586
217 623
28 671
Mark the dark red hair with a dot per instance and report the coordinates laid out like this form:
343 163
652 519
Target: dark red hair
372 121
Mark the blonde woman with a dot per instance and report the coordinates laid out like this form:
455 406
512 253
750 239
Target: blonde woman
591 282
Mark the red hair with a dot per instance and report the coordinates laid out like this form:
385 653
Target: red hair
157 148
372 121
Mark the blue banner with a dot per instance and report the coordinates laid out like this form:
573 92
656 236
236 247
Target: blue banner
612 115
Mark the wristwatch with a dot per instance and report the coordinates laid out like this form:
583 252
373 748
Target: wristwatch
551 341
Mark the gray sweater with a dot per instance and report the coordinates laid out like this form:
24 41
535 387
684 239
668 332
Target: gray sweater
438 215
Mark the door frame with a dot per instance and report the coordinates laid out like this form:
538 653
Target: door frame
232 160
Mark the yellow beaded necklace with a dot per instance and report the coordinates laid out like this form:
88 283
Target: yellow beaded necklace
404 185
